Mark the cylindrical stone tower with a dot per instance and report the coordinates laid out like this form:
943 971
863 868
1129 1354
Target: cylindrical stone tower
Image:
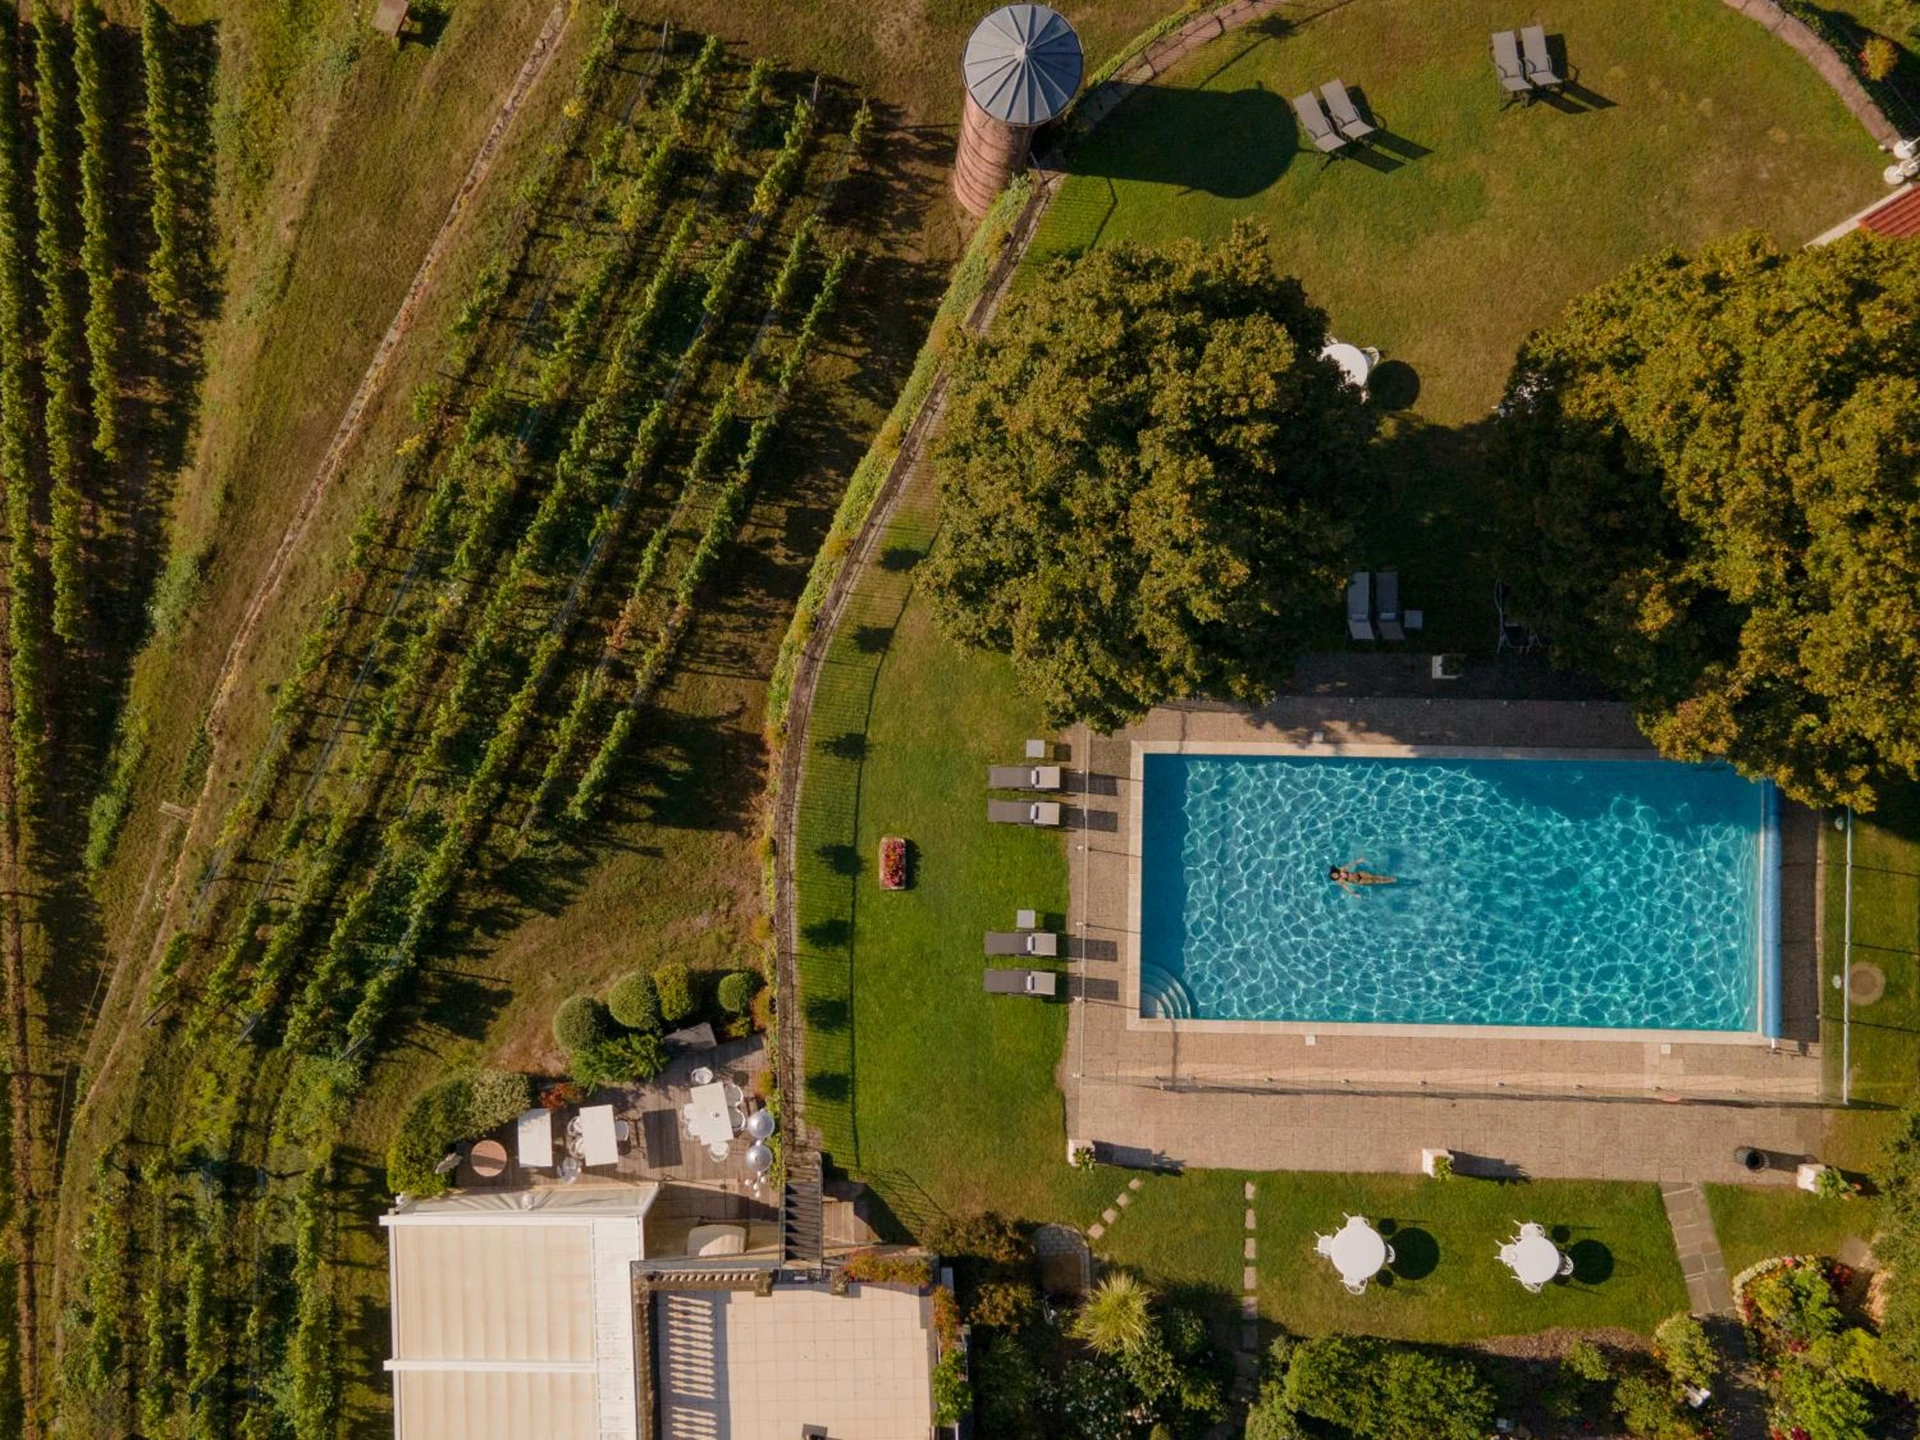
1022 66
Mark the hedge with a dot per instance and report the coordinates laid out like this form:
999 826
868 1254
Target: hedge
465 1104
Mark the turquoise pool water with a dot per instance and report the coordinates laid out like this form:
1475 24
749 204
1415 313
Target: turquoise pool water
1613 894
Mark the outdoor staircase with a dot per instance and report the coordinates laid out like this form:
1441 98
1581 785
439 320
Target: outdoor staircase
802 1213
1162 996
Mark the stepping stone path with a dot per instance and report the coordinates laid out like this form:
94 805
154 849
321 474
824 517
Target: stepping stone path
1710 1296
1247 1359
1247 1362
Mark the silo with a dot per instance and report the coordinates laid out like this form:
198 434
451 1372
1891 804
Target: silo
1022 66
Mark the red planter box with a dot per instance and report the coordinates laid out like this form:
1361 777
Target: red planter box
893 863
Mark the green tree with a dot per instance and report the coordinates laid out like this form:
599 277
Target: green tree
1823 1405
1141 479
1379 1391
1682 1345
1116 1318
1708 467
1897 1249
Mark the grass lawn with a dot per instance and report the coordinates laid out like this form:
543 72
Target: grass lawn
941 1096
1470 225
1187 1231
1885 1050
1446 1284
1755 1222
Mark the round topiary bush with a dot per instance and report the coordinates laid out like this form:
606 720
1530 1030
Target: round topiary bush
580 1023
674 985
634 1002
737 990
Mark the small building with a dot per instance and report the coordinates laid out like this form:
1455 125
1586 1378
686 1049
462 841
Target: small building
390 17
1022 66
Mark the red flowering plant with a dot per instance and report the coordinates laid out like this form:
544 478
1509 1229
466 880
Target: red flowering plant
893 863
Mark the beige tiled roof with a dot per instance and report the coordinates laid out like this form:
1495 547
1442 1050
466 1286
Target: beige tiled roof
758 1367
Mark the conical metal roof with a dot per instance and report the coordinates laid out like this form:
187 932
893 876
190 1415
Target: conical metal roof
1023 64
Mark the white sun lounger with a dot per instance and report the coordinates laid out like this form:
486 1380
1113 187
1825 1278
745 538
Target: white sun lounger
1506 64
1023 777
1539 64
1313 120
1344 112
1021 982
1023 812
1022 942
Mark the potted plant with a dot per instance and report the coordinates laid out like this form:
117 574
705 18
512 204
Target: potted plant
1437 1163
1080 1154
893 863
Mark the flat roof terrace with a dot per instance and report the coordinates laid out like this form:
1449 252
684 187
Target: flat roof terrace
1298 1096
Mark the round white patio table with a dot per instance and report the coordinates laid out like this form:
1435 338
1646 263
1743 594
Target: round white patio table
1351 359
1358 1252
1535 1258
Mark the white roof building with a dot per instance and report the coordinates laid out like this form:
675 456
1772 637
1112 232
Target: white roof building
539 1315
513 1313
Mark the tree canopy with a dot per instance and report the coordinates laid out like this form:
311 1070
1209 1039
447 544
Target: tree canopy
1141 480
1712 467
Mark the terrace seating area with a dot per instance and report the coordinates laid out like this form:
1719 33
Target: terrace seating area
647 1125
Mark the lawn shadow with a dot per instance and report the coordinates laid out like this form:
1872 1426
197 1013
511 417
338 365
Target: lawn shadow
848 745
898 559
1233 144
1416 1254
826 1012
1393 385
1592 1263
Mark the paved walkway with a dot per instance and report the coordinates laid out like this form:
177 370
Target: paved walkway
1710 1296
1708 1292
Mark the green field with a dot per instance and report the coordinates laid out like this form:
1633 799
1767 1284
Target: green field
1755 1223
1884 1049
940 1095
1468 225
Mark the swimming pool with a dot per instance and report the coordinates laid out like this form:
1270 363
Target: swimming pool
1605 894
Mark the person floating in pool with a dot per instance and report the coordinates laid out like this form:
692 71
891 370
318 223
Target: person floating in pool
1350 877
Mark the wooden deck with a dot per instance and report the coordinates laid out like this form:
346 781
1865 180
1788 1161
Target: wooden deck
658 1148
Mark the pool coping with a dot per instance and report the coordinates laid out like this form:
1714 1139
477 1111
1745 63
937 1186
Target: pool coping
1310 1029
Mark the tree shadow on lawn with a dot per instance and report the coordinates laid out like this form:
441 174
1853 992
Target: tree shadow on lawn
1231 143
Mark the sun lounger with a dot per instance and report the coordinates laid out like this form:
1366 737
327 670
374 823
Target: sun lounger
1023 812
1326 139
1533 40
1345 113
1022 942
1023 777
1506 64
1021 982
1360 606
1386 584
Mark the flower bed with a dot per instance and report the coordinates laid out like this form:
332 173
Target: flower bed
893 863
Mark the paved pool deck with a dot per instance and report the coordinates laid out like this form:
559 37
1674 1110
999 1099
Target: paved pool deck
1656 1108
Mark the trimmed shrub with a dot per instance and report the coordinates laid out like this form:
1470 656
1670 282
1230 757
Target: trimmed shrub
634 1003
580 1024
737 989
1879 57
498 1096
636 1055
673 982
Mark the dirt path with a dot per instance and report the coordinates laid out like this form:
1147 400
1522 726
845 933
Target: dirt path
539 59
